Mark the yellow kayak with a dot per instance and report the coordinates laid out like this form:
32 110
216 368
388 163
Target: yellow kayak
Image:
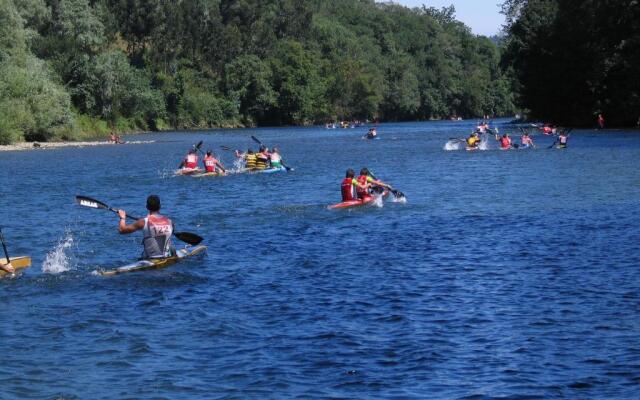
19 263
155 263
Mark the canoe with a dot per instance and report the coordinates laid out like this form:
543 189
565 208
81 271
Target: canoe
155 263
188 171
358 202
19 263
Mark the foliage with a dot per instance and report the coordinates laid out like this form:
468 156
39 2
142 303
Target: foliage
151 64
574 59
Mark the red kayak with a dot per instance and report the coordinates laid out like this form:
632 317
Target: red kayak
359 202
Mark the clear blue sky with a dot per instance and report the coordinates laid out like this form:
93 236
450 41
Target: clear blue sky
482 16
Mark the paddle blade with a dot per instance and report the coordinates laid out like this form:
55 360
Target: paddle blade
226 148
91 203
199 145
187 237
255 139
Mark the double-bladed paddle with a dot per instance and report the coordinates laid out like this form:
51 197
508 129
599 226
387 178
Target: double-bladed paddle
187 237
396 193
255 139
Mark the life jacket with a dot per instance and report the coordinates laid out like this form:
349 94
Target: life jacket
191 161
505 142
250 161
472 141
276 160
348 192
262 160
157 236
210 163
547 130
362 180
562 139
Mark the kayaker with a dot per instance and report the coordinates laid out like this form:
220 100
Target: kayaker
561 141
275 159
372 134
600 121
249 159
505 141
527 141
350 185
473 141
191 160
211 164
262 158
157 230
365 182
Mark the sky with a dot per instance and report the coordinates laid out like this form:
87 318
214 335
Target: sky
482 16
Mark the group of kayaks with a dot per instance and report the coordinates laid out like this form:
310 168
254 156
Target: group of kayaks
201 173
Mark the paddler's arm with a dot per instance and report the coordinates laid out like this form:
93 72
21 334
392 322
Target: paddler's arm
221 167
123 228
8 268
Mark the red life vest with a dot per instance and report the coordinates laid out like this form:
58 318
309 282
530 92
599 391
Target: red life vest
362 180
505 142
348 194
191 161
210 164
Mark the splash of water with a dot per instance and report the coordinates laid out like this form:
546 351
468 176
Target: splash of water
378 201
484 143
57 260
452 145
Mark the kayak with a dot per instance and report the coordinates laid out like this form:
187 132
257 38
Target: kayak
155 263
270 170
208 174
471 148
19 263
188 171
358 202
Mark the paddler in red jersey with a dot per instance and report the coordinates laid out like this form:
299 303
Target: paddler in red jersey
505 141
211 164
191 160
157 230
365 183
349 186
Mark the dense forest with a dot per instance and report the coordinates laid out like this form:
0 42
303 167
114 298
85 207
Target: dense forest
77 68
575 59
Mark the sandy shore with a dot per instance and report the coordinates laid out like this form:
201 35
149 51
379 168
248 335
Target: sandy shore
55 145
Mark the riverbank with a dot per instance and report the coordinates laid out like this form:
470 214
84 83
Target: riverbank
55 145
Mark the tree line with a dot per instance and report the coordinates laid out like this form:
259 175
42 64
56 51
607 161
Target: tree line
572 60
76 68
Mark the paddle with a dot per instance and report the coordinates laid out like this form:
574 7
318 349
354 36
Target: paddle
396 193
4 247
187 237
255 139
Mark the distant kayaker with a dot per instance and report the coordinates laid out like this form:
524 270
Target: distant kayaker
191 160
561 141
275 159
372 134
349 186
600 121
157 230
505 141
527 141
473 141
262 158
211 164
249 159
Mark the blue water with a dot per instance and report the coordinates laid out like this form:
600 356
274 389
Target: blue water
506 274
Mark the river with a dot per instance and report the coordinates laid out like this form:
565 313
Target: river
506 274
